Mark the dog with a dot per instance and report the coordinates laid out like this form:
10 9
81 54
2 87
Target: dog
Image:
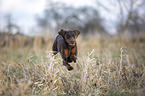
65 43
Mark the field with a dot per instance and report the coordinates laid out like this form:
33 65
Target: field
107 65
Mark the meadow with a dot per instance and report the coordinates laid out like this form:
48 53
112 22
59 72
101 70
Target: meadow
106 66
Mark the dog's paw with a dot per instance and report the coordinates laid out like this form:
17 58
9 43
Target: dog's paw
73 57
74 61
70 68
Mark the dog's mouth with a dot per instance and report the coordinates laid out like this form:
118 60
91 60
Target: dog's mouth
72 44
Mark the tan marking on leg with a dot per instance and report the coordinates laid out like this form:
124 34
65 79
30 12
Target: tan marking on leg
73 50
66 52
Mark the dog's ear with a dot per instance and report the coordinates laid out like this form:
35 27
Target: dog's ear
62 32
77 32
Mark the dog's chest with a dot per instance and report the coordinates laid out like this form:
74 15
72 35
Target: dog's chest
70 51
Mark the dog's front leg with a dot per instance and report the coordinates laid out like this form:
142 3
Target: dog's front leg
65 58
73 57
68 66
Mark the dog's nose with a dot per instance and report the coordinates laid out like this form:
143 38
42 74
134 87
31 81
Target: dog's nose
72 40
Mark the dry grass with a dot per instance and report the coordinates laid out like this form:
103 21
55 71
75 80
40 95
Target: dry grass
106 67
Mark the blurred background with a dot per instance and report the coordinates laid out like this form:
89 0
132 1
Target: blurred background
41 17
35 23
32 25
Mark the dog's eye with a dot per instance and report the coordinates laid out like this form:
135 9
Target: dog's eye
73 35
68 36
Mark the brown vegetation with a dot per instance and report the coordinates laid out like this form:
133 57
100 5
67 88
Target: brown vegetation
105 66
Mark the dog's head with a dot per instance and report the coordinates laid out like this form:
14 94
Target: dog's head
69 36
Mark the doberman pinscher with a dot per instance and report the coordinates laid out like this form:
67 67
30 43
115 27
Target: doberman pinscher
65 44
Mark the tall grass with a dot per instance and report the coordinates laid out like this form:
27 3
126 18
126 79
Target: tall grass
106 68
